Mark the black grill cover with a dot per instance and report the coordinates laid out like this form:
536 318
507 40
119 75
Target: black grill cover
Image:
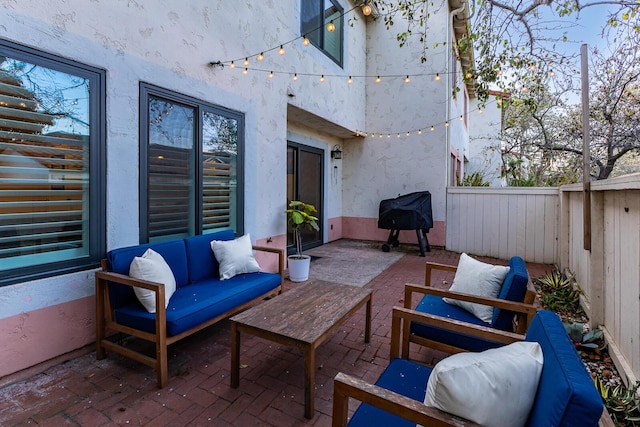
408 212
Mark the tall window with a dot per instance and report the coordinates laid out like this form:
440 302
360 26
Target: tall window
315 18
52 168
190 172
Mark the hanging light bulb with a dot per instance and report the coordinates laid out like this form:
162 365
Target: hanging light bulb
461 119
408 134
446 124
378 79
468 75
366 10
380 135
499 71
260 57
419 131
407 79
281 50
246 61
398 136
331 27
552 73
437 76
270 74
350 80
295 76
232 65
322 78
305 40
480 111
245 71
388 135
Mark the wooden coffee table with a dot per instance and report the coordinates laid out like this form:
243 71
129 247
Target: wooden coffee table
302 317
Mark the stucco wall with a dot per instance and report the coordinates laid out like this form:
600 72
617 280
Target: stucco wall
170 44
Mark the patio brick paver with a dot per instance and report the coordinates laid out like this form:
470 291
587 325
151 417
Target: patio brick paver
117 391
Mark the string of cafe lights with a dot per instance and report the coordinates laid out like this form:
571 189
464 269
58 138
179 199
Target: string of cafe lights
419 131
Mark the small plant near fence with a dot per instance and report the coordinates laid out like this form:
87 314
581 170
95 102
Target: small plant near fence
558 292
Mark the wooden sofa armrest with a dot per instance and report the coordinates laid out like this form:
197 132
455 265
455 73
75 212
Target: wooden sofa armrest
281 258
400 318
435 266
346 386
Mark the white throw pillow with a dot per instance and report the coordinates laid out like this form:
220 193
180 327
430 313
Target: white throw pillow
477 278
151 266
494 388
234 256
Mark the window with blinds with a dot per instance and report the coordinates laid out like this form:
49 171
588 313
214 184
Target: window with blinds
315 15
191 169
46 149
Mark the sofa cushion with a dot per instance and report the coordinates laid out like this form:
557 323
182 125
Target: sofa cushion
403 377
202 264
197 303
234 256
120 259
477 278
566 394
513 288
478 386
153 268
435 305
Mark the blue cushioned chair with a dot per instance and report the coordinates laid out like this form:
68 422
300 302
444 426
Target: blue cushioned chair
513 310
566 395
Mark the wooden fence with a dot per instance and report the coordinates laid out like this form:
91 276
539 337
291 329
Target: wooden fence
547 226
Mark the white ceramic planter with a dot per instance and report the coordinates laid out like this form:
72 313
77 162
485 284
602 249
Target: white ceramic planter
299 267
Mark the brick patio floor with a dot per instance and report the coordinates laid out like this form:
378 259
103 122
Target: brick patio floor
117 391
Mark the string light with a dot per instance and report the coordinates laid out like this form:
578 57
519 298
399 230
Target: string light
432 128
480 111
552 73
419 131
270 74
305 41
437 76
246 61
378 79
322 78
499 71
281 50
232 65
407 79
295 76
350 80
461 118
446 124
331 27
398 136
366 9
260 57
245 71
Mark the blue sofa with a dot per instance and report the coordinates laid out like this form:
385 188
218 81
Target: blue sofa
200 299
566 395
515 300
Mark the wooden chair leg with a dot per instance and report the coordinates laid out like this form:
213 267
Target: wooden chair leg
163 366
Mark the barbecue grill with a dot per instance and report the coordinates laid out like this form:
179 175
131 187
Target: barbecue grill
408 212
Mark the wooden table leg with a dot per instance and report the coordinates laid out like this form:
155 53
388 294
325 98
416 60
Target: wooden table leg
235 356
367 323
309 381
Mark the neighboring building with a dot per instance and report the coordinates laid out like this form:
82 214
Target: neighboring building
117 126
485 144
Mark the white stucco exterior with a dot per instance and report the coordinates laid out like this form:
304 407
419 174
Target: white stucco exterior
484 143
170 44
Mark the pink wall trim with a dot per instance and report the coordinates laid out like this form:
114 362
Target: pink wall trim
37 336
367 229
335 229
269 261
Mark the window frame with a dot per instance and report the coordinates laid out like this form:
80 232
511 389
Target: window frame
96 228
321 47
200 107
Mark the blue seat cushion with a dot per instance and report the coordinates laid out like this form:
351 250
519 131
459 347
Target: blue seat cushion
513 288
402 376
566 394
436 306
119 260
197 303
202 263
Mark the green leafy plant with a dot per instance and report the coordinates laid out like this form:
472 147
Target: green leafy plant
475 179
622 403
559 293
300 215
591 340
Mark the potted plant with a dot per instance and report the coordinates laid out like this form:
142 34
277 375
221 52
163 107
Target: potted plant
300 215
